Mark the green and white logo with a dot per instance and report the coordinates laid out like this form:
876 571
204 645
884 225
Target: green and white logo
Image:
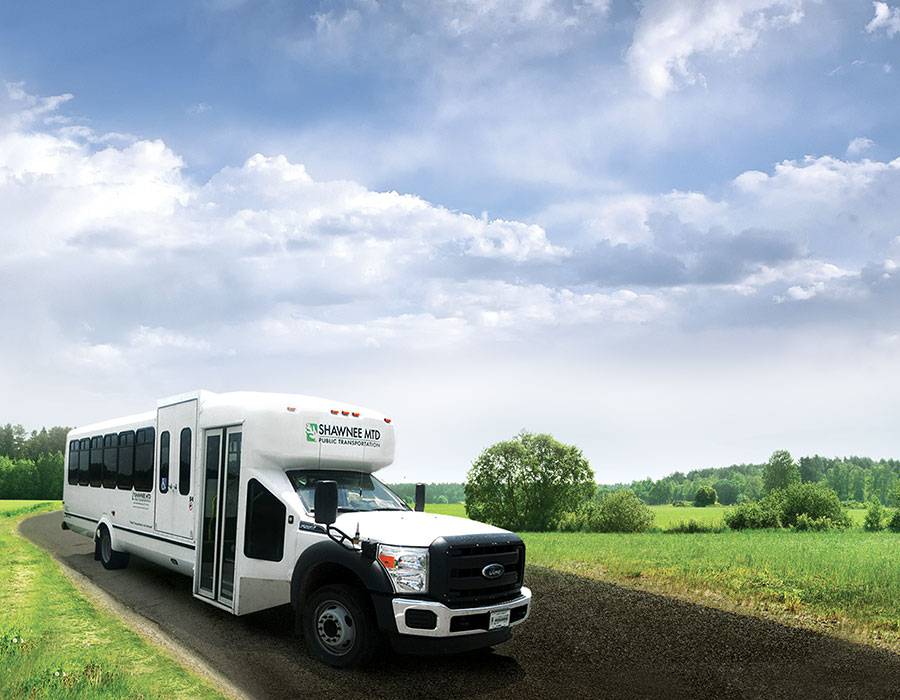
312 430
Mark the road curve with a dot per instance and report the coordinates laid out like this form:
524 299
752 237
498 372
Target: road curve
584 639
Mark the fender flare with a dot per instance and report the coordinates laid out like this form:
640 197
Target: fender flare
105 520
367 571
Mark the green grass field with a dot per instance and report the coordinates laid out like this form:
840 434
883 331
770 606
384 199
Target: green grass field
54 643
846 581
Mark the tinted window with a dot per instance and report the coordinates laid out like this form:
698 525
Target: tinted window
73 462
110 460
96 468
264 534
164 462
184 463
143 459
84 462
125 479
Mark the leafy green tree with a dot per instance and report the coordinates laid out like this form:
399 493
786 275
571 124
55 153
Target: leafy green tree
727 491
49 475
661 492
12 440
874 521
781 471
812 469
705 496
527 483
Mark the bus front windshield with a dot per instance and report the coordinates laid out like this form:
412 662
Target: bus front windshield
357 491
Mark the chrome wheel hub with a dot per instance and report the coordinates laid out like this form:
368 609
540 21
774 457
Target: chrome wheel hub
335 628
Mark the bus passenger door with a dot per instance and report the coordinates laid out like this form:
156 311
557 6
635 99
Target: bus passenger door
214 577
176 444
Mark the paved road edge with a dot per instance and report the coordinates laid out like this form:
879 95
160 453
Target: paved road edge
140 625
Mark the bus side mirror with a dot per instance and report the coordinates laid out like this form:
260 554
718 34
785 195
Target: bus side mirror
420 497
326 502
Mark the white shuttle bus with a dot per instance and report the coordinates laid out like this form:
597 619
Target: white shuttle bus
270 499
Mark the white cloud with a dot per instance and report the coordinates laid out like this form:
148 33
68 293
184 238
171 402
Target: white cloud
670 34
858 146
886 17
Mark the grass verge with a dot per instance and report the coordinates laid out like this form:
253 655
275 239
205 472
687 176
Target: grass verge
55 644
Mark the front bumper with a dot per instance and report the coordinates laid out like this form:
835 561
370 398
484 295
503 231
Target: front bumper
468 620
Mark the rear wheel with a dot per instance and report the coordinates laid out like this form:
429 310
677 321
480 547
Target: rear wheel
339 626
110 558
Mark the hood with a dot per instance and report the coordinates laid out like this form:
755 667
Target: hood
409 528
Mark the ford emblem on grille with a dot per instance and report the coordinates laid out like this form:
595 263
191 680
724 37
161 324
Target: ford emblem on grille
493 571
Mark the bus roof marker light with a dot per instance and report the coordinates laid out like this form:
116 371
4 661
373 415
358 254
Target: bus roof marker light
334 411
387 420
292 409
345 413
355 414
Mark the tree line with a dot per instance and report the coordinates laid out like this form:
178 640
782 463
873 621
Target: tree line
31 464
853 479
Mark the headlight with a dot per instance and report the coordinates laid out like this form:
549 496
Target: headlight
407 567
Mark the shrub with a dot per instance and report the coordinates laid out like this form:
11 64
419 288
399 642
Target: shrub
682 504
705 496
754 515
807 524
814 500
619 511
527 483
894 522
693 527
874 521
442 499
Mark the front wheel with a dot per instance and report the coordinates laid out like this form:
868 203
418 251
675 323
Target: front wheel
339 626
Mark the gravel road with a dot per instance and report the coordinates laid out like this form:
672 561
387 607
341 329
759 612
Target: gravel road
584 639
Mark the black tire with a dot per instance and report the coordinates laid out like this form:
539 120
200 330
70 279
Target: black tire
110 558
339 626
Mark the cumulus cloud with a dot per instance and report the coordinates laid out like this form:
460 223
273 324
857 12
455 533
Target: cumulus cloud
263 259
886 18
670 34
858 146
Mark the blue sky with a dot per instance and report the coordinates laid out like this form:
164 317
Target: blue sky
664 231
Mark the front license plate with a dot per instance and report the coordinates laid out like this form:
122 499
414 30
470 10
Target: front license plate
499 618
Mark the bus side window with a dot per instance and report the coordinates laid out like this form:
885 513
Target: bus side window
84 462
73 462
96 468
110 460
143 459
264 534
164 462
184 463
125 478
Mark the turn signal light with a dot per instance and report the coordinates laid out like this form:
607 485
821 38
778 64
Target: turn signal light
388 561
387 420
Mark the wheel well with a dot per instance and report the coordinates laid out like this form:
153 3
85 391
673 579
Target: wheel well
323 574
